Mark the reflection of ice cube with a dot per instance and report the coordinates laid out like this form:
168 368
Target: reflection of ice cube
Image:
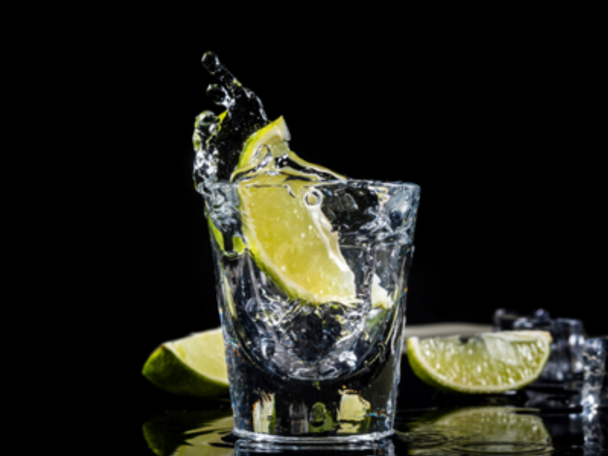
595 379
595 391
566 361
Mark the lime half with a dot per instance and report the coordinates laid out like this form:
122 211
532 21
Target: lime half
487 363
192 366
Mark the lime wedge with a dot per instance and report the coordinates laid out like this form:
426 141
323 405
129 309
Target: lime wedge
487 363
286 231
292 241
273 139
192 366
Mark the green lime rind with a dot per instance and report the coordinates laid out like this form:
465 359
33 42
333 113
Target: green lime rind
422 375
216 234
166 370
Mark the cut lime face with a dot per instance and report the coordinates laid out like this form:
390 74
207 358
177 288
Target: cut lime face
192 366
287 234
488 363
292 240
284 228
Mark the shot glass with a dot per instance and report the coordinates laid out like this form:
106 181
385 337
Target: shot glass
314 372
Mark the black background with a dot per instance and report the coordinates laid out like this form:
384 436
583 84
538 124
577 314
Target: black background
496 134
498 122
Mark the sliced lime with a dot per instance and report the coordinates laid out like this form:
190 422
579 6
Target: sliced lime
192 366
270 143
287 234
487 363
293 241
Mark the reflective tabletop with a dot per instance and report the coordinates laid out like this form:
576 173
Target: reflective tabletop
541 419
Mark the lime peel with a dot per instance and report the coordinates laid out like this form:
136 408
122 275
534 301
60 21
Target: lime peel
192 366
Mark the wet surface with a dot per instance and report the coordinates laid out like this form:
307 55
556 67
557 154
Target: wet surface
538 420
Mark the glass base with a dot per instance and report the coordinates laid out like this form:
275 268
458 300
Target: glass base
330 440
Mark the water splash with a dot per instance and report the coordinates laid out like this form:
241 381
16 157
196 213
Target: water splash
218 149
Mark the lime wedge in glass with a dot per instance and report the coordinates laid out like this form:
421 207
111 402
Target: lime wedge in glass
285 229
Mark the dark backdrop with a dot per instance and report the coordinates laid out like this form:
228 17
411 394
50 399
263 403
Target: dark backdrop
498 132
498 125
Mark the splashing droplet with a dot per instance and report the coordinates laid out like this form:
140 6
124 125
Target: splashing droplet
244 115
219 95
313 198
210 61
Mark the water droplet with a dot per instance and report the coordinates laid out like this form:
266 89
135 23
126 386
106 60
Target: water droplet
244 115
210 61
219 95
313 197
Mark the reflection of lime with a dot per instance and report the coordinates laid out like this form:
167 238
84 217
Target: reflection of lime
193 366
487 363
485 429
354 413
264 414
199 433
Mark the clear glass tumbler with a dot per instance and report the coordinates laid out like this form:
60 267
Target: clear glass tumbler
303 369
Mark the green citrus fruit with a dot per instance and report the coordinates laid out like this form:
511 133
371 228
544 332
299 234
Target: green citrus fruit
192 366
487 363
285 229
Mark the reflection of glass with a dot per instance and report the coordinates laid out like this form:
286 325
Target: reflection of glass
382 447
323 371
566 362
